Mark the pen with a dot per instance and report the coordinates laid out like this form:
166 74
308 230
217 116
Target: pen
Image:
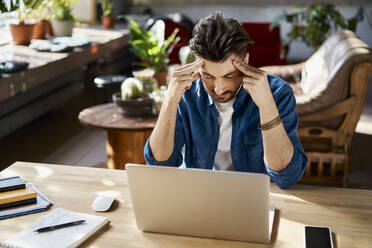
51 228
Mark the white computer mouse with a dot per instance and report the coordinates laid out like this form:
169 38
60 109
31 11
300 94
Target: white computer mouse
102 203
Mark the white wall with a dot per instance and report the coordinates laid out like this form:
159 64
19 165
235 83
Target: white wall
256 13
261 13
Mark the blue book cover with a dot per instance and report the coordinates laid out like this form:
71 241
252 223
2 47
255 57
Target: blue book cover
11 183
42 204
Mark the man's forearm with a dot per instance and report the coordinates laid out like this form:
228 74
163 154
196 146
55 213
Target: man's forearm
278 148
162 138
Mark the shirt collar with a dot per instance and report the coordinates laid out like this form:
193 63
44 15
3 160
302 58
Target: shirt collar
239 101
200 89
211 100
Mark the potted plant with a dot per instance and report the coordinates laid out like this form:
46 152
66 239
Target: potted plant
21 32
62 17
152 49
41 14
108 20
312 24
133 100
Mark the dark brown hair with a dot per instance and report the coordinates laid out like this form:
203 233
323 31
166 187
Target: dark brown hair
215 38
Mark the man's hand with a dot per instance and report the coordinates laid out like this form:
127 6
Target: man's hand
181 80
256 84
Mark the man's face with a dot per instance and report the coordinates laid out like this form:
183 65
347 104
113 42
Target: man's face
221 79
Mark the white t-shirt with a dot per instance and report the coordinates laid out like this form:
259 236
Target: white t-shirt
222 160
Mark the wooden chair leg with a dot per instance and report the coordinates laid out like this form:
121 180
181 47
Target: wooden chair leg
347 160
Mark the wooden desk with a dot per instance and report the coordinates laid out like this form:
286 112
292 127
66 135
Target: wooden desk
126 136
347 211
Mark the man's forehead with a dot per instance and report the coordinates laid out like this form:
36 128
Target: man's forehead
218 68
230 58
220 74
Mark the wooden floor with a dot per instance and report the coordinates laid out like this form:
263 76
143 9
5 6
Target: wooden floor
86 148
59 138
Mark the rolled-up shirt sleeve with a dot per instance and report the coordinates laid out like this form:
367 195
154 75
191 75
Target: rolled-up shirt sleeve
176 157
286 104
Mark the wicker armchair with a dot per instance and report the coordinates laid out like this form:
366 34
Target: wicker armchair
330 90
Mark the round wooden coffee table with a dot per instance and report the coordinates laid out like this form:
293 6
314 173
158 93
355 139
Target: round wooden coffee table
126 136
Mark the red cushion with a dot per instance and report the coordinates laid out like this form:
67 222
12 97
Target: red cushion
267 45
261 34
185 35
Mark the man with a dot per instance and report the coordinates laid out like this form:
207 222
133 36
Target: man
228 114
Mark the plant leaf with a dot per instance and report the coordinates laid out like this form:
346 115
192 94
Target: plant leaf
313 23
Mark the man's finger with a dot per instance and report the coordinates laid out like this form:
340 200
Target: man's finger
189 67
186 84
195 76
184 77
192 63
246 69
188 80
247 79
248 83
246 60
247 66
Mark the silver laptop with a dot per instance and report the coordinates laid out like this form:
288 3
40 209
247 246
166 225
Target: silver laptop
204 203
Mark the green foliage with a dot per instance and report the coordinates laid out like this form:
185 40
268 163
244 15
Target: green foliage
312 24
152 50
42 12
62 9
2 7
106 6
12 5
22 9
186 55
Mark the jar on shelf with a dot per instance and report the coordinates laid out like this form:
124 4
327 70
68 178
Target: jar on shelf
146 76
158 97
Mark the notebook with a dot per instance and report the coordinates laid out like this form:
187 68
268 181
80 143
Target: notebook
67 237
17 195
11 183
42 203
18 203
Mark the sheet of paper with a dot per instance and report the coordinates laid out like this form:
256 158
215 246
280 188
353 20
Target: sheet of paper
60 238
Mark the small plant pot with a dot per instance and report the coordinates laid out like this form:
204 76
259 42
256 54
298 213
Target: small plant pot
161 77
40 29
21 33
63 28
49 29
108 22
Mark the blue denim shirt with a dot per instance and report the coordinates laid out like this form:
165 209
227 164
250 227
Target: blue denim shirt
197 128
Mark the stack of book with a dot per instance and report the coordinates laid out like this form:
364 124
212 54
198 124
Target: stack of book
18 197
13 193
